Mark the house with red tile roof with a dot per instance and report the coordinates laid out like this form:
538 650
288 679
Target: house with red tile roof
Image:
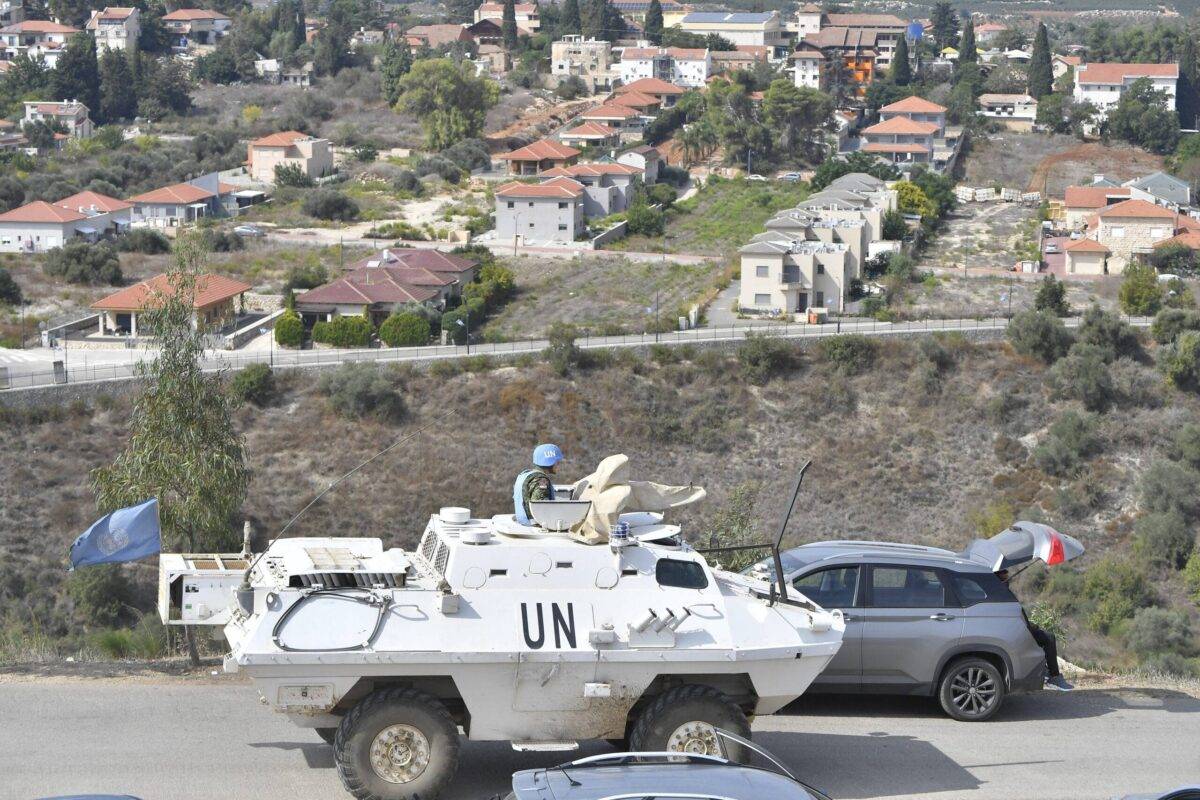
39 226
526 14
626 121
1132 228
183 203
1085 257
913 131
666 91
436 35
1103 84
1080 203
644 104
539 156
1060 64
916 109
550 211
212 301
312 155
115 27
458 269
35 38
71 115
608 187
189 28
590 134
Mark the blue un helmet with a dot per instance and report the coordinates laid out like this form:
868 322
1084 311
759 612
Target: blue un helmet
547 455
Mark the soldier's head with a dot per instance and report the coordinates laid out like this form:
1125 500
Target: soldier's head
547 456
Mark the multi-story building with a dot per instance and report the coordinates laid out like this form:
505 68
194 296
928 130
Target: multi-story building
665 92
36 38
856 49
526 14
607 187
116 28
1017 111
71 115
590 60
1132 228
310 154
183 203
195 27
808 64
635 11
917 109
627 122
738 27
11 11
1103 84
913 131
887 31
809 255
552 211
681 66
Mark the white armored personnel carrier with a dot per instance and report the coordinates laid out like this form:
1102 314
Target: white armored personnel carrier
504 632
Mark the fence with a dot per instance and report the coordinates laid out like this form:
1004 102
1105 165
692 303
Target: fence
68 373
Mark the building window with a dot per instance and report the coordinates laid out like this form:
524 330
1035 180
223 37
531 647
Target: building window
1117 232
762 271
820 268
820 299
531 224
562 205
511 204
762 299
562 226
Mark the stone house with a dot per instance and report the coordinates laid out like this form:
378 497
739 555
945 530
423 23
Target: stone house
1132 228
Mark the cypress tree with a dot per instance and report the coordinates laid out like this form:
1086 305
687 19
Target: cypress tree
118 97
901 69
77 74
569 22
394 64
1041 74
966 49
508 25
1187 99
654 22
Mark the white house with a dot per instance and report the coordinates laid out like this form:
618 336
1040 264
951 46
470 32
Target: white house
682 66
1016 111
526 14
1103 84
39 226
70 114
807 64
115 28
35 38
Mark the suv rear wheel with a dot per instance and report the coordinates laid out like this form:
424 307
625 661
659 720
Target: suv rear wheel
971 690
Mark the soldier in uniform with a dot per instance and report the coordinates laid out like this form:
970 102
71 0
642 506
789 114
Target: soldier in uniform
536 483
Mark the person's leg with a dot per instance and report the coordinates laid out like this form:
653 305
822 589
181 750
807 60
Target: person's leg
1049 644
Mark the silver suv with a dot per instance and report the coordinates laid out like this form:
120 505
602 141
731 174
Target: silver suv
927 621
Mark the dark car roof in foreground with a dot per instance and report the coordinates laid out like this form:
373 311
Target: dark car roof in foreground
879 552
733 781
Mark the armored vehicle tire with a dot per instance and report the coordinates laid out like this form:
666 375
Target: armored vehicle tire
683 719
397 744
327 734
971 690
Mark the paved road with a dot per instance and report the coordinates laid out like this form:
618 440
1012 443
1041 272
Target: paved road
32 368
200 740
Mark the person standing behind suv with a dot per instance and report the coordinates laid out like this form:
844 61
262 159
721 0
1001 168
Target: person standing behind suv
1049 644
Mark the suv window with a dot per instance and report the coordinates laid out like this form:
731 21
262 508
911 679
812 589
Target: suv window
981 588
829 588
906 587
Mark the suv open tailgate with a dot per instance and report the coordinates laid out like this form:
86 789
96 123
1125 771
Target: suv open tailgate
1022 543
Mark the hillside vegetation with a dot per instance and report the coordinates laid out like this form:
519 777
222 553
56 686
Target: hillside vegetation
933 441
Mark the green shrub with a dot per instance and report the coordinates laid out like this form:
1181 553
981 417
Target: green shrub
1179 361
456 333
561 352
10 291
1191 575
396 230
330 204
1171 664
850 354
116 644
763 356
348 331
1170 322
1135 385
1048 619
305 276
1140 293
1071 440
289 329
1052 297
253 384
644 220
407 182
1185 445
1064 590
405 329
144 240
1083 376
1164 538
101 593
361 390
80 262
1108 333
1039 334
1159 630
1118 588
292 175
1168 486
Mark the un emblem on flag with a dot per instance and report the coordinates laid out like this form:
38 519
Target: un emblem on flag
112 540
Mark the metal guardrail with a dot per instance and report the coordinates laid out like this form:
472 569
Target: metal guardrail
305 359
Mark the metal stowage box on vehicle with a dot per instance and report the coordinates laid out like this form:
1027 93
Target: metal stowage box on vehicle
197 588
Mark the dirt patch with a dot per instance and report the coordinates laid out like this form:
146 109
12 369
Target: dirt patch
1076 166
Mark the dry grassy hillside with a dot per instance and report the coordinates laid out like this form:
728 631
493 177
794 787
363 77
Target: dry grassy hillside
902 449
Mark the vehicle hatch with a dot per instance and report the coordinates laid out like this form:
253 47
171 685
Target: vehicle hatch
1022 543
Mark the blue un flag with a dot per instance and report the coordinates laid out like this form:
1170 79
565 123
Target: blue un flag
126 534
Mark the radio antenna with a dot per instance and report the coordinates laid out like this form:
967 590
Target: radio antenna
783 529
245 585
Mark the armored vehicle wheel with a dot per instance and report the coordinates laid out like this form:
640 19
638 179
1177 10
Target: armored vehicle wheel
397 744
971 690
327 734
683 720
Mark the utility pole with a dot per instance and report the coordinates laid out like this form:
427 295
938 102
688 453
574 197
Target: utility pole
516 228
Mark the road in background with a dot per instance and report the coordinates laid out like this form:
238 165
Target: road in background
175 739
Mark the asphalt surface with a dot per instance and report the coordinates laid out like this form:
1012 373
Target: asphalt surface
187 740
